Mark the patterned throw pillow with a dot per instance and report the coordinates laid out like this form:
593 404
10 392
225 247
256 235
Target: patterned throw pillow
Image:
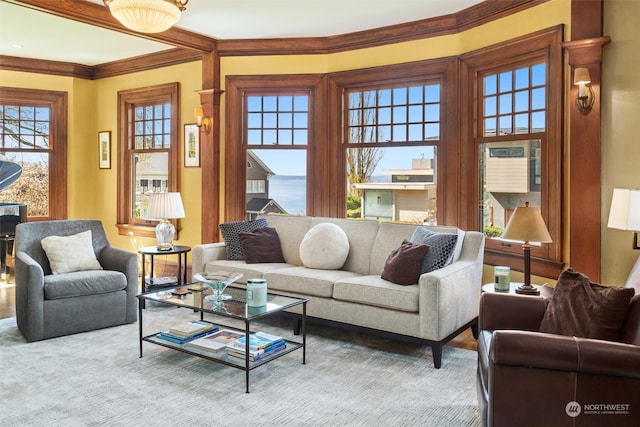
441 246
230 233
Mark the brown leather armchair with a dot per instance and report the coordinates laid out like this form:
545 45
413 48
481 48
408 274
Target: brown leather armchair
529 378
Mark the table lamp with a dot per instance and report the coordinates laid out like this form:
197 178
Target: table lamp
526 225
165 206
625 212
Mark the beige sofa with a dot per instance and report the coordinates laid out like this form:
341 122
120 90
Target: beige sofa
441 305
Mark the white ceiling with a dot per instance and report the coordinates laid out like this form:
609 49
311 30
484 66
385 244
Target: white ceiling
44 36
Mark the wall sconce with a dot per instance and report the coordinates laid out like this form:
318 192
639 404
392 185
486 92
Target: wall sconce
202 121
585 98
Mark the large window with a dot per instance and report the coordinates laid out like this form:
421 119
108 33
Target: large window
391 137
275 133
277 138
516 144
514 112
457 141
32 129
148 152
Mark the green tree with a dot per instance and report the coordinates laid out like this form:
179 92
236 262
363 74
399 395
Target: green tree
361 162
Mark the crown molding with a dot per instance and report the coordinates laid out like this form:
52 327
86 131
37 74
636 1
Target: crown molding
191 46
41 66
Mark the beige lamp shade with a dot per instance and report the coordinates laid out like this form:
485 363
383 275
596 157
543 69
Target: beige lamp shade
526 225
625 210
165 206
581 76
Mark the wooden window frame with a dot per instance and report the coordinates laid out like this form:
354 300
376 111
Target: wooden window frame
441 71
235 177
127 100
543 46
58 102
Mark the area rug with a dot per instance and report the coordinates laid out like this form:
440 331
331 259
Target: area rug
350 379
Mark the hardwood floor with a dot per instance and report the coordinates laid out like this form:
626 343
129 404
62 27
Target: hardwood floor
7 301
8 309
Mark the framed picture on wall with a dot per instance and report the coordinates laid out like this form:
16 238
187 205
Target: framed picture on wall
104 149
191 146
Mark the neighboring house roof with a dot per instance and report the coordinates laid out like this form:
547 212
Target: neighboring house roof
256 159
259 205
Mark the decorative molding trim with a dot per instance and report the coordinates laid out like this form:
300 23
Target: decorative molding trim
145 62
108 69
191 46
41 66
466 19
586 51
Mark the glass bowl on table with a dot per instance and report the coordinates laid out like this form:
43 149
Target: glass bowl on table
218 282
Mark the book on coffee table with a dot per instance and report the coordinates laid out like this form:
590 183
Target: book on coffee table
255 355
257 341
191 328
167 335
216 341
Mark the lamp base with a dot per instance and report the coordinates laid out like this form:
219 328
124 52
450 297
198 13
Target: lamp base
164 234
527 290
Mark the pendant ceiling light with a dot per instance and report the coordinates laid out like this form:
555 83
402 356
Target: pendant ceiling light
147 16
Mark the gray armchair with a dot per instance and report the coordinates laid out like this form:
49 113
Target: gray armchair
51 305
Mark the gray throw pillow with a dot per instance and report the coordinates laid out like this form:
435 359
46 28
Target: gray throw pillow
441 246
231 235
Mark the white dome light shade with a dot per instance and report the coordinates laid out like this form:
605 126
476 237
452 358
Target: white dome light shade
145 16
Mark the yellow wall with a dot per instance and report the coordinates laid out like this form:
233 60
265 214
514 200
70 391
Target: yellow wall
93 107
620 141
106 109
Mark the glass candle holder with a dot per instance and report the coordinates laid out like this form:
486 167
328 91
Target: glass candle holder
256 292
502 278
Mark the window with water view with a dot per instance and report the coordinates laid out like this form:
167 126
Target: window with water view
276 154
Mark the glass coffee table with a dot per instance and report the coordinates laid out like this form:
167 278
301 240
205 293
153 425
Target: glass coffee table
234 308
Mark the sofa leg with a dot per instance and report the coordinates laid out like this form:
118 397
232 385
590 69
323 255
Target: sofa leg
474 330
297 325
436 350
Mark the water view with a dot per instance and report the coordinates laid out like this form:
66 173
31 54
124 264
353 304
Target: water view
291 191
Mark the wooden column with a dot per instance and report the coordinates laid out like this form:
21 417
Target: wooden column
585 50
210 148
